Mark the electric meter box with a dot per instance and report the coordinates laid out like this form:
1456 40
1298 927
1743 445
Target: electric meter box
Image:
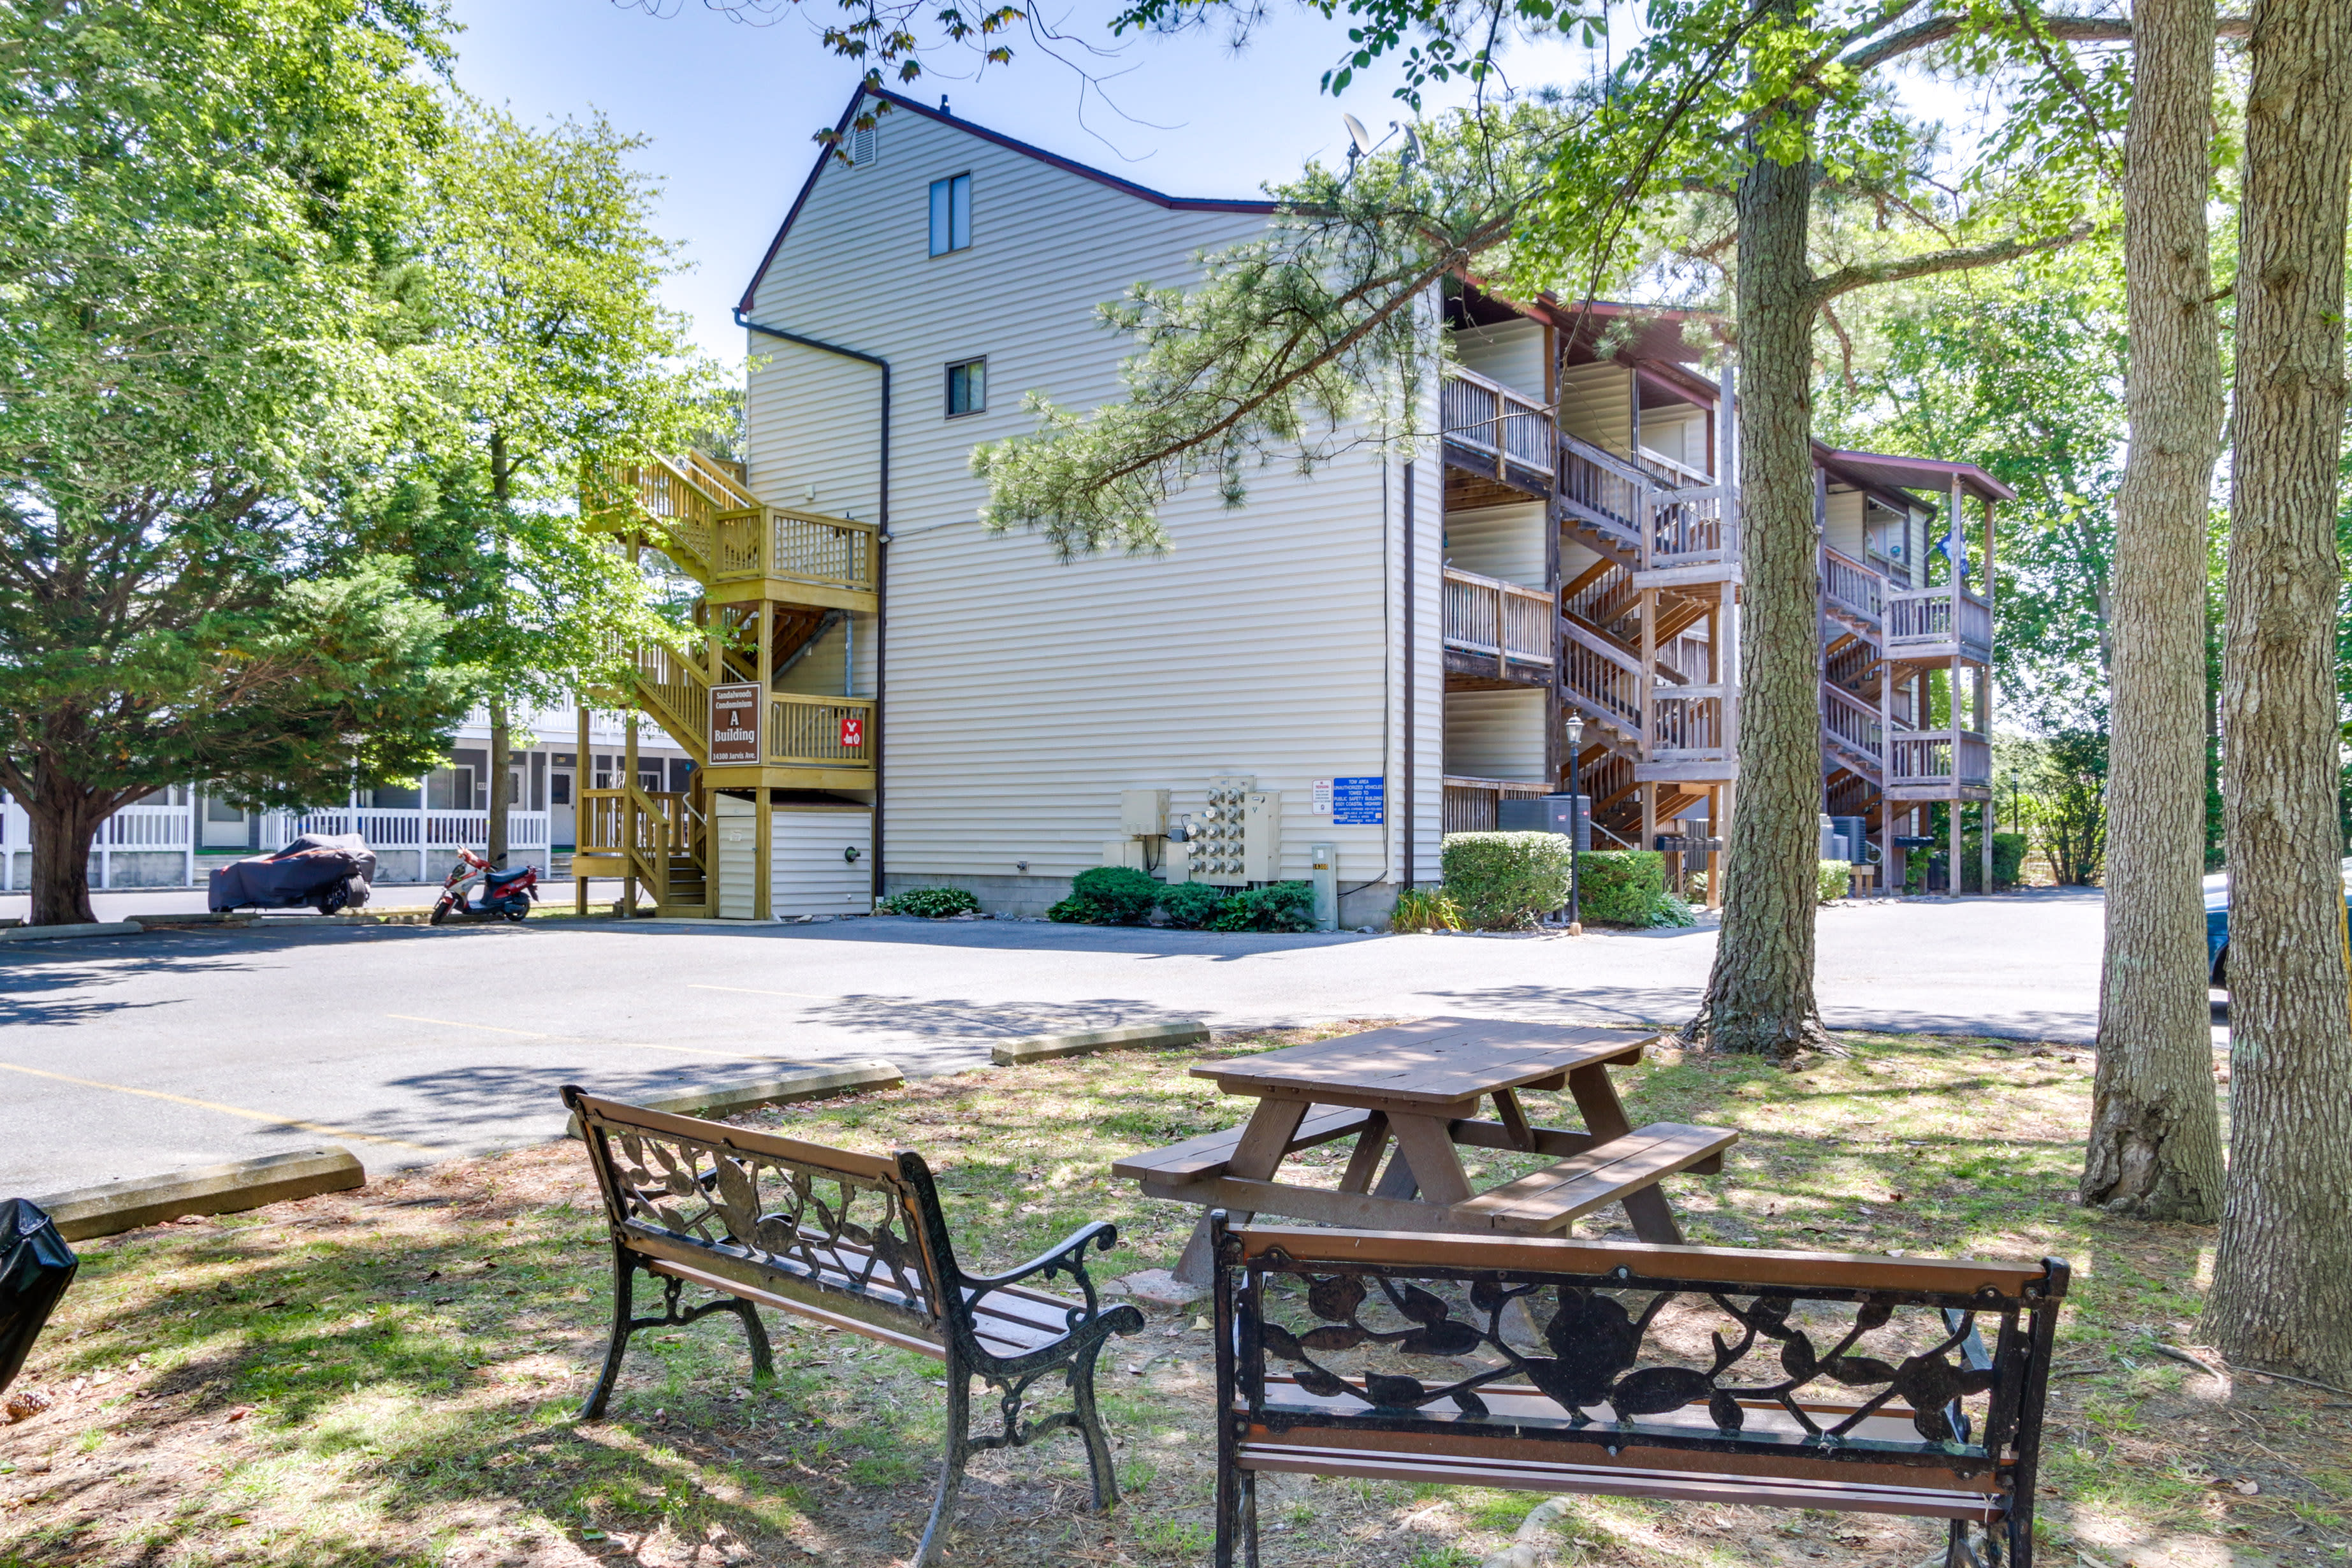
1143 813
1234 837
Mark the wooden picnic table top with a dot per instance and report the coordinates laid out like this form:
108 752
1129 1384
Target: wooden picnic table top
1433 1063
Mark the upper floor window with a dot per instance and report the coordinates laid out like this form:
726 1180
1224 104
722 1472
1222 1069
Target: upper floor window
951 215
967 387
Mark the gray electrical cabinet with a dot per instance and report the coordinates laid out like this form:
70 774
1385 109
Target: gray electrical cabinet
1855 831
1562 813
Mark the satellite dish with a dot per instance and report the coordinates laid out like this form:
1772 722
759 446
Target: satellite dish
1357 133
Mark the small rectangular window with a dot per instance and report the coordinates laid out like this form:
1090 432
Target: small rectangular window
951 215
967 387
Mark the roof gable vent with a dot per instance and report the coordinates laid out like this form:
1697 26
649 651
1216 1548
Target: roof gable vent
862 144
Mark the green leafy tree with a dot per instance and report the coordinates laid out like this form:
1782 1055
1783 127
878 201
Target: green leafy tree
550 355
198 202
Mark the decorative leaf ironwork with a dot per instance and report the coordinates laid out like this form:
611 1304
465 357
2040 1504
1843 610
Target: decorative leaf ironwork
1602 1356
837 1229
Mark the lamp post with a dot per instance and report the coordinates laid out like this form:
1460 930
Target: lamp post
1573 726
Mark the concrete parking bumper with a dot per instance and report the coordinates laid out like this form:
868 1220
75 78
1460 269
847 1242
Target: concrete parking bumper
1046 1048
207 1189
813 1083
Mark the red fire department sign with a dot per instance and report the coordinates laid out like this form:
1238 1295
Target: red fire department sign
853 733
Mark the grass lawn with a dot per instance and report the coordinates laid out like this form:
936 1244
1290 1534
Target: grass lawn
389 1376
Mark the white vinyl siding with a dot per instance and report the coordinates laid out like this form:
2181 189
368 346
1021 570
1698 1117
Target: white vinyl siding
810 874
1678 431
1596 404
1511 353
1022 695
734 827
1843 533
1495 735
1506 542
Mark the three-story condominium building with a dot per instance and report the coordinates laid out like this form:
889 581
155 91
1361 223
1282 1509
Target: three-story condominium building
1333 675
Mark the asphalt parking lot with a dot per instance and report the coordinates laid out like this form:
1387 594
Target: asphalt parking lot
124 1056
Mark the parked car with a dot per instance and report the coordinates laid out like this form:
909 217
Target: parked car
2217 919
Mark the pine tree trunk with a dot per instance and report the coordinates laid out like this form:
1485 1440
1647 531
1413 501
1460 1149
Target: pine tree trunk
64 820
499 752
2283 1271
1760 995
2155 1148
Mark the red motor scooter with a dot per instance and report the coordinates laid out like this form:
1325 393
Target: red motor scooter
505 895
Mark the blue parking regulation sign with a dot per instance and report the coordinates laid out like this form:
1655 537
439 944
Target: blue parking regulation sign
1359 802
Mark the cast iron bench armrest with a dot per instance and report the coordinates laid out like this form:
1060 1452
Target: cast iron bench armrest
1065 1257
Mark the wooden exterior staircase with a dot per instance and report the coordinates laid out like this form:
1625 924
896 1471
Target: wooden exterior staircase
772 580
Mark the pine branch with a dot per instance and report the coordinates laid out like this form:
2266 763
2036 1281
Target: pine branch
2067 29
1865 275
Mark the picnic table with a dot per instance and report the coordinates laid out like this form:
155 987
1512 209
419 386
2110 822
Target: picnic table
1419 1087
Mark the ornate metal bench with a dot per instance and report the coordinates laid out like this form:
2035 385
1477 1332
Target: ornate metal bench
852 1240
1781 1379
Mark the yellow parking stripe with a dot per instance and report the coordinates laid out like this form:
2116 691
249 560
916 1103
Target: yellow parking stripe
271 1117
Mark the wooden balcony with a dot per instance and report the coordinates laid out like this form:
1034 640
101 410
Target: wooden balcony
1670 524
1939 764
1497 435
1470 803
1498 634
1933 625
695 511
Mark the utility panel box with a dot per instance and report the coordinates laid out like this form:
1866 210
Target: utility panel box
1143 813
1323 862
1219 852
1127 852
1561 813
1262 837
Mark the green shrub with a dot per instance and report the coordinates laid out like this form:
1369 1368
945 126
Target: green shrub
1506 880
1191 905
1277 906
1833 880
1107 896
1425 909
930 903
1624 886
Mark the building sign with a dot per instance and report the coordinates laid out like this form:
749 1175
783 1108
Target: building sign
853 732
1359 802
735 725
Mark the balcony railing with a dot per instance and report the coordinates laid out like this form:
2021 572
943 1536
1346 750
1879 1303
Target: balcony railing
415 827
1689 723
1855 725
1490 419
791 545
819 731
1946 614
1929 757
1470 802
1499 620
1853 587
1599 676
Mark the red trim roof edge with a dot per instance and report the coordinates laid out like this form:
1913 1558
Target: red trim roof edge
1069 166
1985 485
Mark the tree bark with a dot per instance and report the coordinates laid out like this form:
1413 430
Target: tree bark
1760 995
2282 1293
500 750
494 845
64 819
2155 1148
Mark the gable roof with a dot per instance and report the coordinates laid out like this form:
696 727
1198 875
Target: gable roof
899 102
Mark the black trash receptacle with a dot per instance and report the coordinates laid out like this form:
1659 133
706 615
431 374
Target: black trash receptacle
36 1266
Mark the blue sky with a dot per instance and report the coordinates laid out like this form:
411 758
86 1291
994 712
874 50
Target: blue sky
729 108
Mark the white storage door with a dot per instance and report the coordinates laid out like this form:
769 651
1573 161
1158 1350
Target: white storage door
735 824
812 872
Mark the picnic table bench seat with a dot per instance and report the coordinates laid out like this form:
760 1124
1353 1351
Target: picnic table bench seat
856 1242
1592 1173
1836 1381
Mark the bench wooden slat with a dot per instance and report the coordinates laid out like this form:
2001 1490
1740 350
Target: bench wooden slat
1644 1259
1548 1199
1552 1476
1196 1159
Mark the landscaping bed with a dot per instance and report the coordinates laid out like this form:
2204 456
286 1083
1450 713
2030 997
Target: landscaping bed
389 1376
